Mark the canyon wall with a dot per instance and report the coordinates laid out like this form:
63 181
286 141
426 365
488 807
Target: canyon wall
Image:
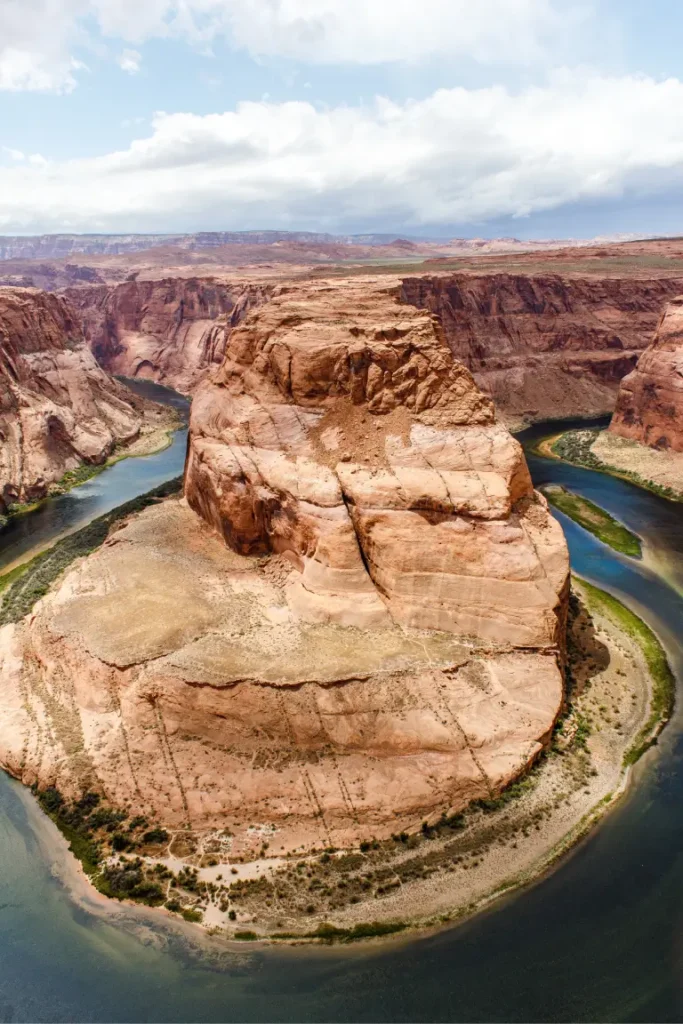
545 346
358 627
649 407
58 408
171 331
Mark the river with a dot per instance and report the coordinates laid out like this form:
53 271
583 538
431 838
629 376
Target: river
600 938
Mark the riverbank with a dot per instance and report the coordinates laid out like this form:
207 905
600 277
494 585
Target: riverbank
159 424
26 583
594 448
620 694
594 519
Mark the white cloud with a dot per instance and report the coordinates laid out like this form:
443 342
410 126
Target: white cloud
14 154
458 156
38 38
129 60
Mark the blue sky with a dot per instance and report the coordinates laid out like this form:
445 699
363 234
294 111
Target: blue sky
526 117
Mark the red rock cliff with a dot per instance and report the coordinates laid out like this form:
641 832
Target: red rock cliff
545 346
58 408
170 331
650 404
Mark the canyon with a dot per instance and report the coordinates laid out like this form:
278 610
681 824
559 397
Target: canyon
352 621
172 331
546 335
58 407
649 406
546 345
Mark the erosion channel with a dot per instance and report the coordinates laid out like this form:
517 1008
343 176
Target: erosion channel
599 938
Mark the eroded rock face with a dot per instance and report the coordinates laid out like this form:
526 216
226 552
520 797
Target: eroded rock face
172 331
361 628
545 346
650 404
340 433
58 408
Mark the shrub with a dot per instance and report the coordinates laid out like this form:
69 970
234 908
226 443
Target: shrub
155 835
190 914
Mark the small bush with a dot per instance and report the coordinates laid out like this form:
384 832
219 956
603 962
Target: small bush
190 914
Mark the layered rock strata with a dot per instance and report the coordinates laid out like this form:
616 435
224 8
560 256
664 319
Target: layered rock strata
545 346
171 331
361 628
58 408
649 407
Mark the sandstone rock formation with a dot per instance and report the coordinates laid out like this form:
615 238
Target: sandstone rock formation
545 346
649 407
171 331
361 628
58 408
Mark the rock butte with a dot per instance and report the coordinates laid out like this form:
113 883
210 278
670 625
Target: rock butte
354 619
649 407
58 408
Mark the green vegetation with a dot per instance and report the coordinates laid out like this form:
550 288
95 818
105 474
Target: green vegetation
79 475
575 446
14 574
190 914
28 583
663 681
331 933
594 519
97 834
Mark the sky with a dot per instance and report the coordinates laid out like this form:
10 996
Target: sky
532 118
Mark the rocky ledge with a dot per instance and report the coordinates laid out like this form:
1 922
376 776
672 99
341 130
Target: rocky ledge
353 621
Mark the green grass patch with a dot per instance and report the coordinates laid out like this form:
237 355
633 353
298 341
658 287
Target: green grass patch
80 475
663 680
594 519
32 581
16 573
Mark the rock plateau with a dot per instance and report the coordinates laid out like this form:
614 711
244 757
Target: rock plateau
353 621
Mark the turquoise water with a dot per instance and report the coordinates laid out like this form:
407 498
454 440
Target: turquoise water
601 938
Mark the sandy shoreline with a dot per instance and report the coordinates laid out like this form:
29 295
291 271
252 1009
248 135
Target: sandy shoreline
653 470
